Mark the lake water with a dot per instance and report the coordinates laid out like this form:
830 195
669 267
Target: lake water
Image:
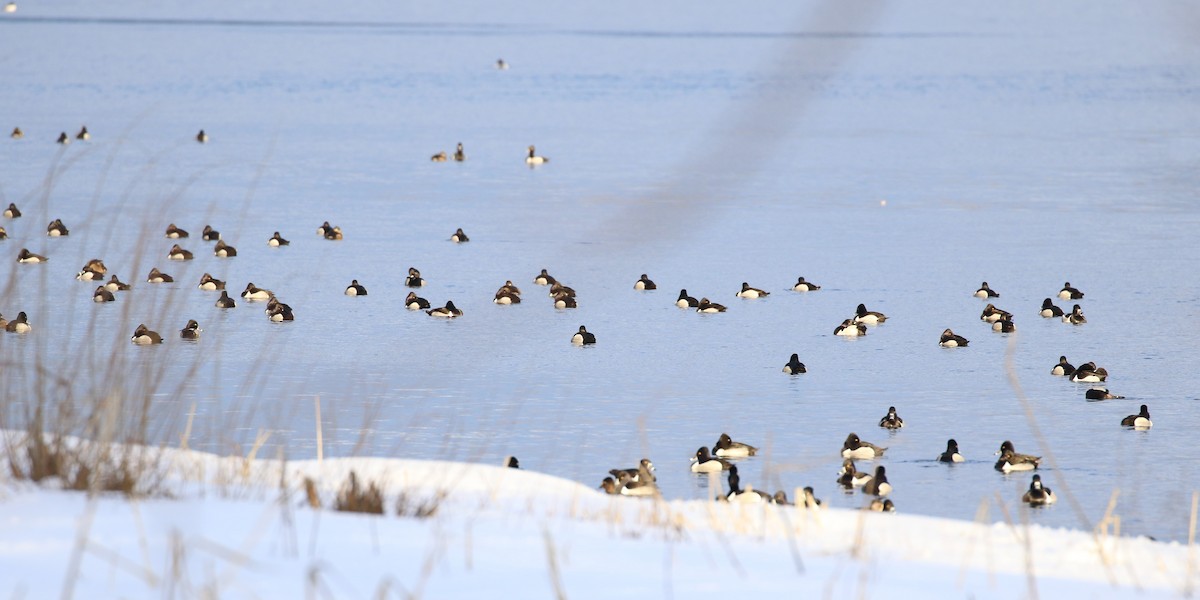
898 156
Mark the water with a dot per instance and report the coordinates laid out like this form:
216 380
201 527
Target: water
1024 145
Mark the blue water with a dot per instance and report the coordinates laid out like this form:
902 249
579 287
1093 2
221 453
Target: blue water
897 157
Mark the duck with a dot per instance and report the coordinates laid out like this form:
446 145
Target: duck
209 283
1038 494
277 240
644 283
25 256
583 337
12 212
849 476
102 295
501 65
94 269
415 302
991 314
805 286
1101 393
533 159
891 420
1011 460
862 315
509 288
878 505
878 486
459 154
781 499
794 366
565 301
726 447
951 454
143 336
325 229
749 495
849 328
223 250
854 447
1049 310
705 306
1004 326
16 132
544 278
950 339
335 234
439 157
750 292
202 137
511 462
191 331
459 237
19 324
637 487
157 276
115 285
3 234
643 472
810 499
1069 293
449 311
63 139
255 293
174 233
1063 368
609 485
225 301
209 234
686 301
703 462
1088 372
1075 317
178 253
280 312
506 297
558 289
57 229
986 292
1140 420
83 134
414 278
355 289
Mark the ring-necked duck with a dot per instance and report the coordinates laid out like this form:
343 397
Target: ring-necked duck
355 289
116 285
870 317
727 447
1063 368
202 137
103 295
986 292
750 292
1075 317
459 237
991 314
25 256
950 339
157 276
460 155
178 253
449 311
534 159
849 328
223 250
703 462
794 366
1140 420
225 301
277 240
686 301
1011 460
1069 293
854 447
583 337
705 306
644 283
175 233
57 229
805 286
1100 393
415 302
209 234
891 420
544 278
878 486
1038 495
191 331
209 283
951 454
1050 310
255 293
143 336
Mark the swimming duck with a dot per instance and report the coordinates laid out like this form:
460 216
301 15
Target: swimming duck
1050 310
854 447
951 454
558 289
209 283
781 499
862 315
355 289
810 499
805 286
57 229
609 485
94 269
1004 326
1069 293
1063 368
157 276
643 472
878 486
415 302
280 312
115 285
951 340
3 234
19 324
175 233
986 292
12 212
747 495
460 155
849 328
191 331
1140 420
225 301
83 134
511 462
749 292
878 505
142 336
255 293
533 159
849 476
991 314
891 420
505 297
223 250
509 288
1088 372
565 301
686 301
414 278
703 462
439 157
501 65
449 311
705 306
335 234
637 487
1010 460
725 446
1075 317
1101 393
277 241
209 234
16 132
644 283
544 278
583 337
459 237
63 139
103 295
25 256
794 366
202 137
325 229
178 253
1038 495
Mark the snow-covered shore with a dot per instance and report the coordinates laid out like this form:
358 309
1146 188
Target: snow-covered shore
238 528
